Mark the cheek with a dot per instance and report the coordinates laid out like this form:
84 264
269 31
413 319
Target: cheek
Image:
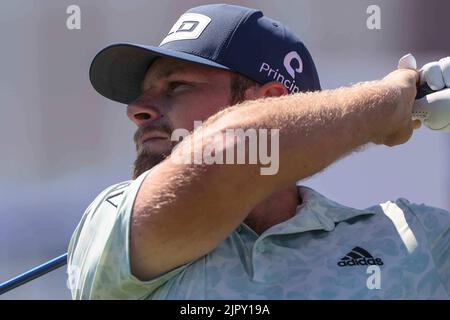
184 113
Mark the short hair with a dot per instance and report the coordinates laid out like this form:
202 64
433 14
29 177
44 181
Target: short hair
240 83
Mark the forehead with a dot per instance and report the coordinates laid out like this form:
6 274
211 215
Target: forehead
164 68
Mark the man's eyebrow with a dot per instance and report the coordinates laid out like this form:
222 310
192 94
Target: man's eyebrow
167 72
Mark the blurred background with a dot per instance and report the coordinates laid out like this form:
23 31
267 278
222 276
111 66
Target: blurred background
62 143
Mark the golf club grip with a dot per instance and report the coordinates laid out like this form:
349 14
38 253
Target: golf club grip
423 90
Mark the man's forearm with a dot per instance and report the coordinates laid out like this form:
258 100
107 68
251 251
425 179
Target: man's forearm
317 128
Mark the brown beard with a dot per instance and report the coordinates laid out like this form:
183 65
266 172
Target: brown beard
146 158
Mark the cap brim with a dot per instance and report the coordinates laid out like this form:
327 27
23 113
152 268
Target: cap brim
118 70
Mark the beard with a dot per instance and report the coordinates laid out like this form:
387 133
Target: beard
146 157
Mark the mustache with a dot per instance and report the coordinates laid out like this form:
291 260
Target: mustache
161 127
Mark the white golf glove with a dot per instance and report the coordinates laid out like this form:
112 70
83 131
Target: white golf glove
434 108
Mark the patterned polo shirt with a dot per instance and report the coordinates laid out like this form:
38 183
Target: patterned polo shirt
393 250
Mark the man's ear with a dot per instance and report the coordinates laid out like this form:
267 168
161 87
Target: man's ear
272 89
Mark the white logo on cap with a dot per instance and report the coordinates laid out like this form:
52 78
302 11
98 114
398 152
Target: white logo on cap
273 73
293 55
189 26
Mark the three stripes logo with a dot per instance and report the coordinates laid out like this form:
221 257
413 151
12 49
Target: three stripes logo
359 257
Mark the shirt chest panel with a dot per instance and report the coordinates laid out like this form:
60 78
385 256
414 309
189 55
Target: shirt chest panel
307 266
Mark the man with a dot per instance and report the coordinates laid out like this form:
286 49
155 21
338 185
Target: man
186 230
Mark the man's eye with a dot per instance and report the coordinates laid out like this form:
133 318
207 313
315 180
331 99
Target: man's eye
177 86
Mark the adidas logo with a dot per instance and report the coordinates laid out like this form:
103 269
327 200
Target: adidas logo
359 257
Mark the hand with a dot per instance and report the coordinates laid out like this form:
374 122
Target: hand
399 125
436 74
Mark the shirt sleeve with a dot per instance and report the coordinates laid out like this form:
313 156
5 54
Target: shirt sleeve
98 254
436 224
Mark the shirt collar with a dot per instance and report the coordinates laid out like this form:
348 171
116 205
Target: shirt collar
315 213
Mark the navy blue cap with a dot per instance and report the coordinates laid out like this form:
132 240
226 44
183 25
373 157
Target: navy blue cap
228 37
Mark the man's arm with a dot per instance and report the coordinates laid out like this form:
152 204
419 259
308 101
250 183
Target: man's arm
183 211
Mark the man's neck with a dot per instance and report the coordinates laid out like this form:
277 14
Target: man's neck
278 207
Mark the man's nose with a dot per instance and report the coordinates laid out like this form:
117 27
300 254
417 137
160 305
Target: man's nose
142 112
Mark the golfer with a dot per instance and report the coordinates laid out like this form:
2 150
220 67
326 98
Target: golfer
187 227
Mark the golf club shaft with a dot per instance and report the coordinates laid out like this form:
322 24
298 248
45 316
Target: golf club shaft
33 273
